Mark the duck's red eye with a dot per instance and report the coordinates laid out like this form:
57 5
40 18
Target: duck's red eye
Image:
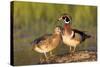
63 17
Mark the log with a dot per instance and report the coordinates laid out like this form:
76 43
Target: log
80 56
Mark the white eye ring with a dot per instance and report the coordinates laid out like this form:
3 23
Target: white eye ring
66 21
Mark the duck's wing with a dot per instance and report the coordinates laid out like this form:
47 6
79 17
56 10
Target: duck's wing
42 38
78 31
82 34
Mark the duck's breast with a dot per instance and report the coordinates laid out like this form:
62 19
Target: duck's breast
70 41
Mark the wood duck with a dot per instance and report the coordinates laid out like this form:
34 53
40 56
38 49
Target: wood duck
71 37
47 42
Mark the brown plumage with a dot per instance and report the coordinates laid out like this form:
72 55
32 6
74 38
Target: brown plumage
48 42
72 37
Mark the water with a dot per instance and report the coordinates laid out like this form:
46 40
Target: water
32 20
24 55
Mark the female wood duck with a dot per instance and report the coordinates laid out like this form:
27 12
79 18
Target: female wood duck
72 37
48 42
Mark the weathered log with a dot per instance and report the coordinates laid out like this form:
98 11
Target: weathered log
80 56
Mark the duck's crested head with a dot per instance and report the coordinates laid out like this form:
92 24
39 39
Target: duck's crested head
66 18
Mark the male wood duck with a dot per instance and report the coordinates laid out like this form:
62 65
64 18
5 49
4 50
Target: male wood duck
47 42
71 37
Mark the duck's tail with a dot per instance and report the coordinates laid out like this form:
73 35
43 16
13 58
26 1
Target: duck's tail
86 36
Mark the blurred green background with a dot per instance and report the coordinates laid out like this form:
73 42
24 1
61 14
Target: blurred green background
31 20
